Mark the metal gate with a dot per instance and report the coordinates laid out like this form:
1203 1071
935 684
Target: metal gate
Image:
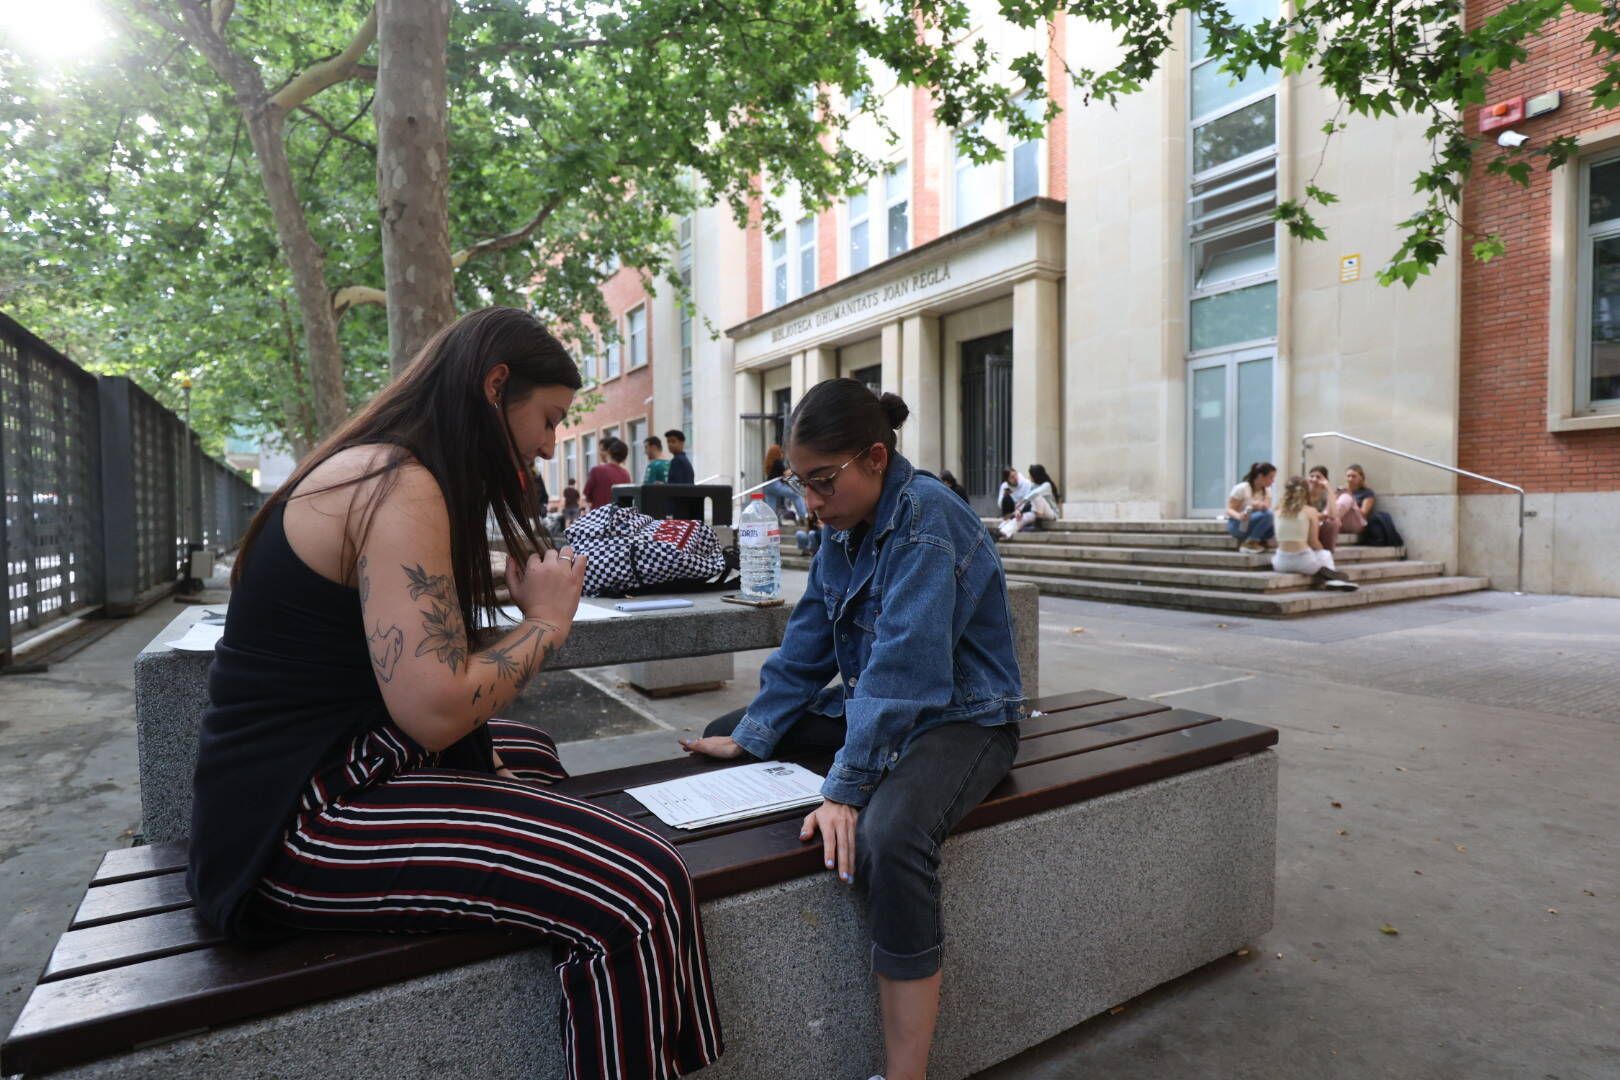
986 416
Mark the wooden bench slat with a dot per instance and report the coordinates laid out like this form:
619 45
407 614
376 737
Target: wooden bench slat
1038 727
1051 784
128 899
148 860
80 1019
1080 699
128 941
1094 737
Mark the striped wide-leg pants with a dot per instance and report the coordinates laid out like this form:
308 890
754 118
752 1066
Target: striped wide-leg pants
384 841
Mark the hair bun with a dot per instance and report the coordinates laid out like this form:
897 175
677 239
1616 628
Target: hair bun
894 408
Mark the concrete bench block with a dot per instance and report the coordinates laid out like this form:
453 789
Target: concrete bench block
1049 920
171 688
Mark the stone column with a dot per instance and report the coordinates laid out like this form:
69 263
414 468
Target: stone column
750 399
920 386
891 356
797 384
1037 434
820 364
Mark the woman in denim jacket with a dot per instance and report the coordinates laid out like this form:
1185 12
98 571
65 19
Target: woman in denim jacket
907 607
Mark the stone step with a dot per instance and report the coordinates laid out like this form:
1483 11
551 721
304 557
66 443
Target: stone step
1247 580
1230 559
1237 602
1213 541
1166 525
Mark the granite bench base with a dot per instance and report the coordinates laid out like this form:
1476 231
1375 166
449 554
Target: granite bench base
1049 920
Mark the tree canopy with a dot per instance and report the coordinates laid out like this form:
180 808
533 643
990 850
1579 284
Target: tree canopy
139 227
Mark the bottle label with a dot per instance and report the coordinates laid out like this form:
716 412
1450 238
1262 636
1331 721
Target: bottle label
758 536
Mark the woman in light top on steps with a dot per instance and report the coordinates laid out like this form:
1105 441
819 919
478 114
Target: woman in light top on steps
1039 505
1248 508
1299 549
906 607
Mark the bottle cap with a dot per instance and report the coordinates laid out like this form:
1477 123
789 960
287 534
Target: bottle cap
759 495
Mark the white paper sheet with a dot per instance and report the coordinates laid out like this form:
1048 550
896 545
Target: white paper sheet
586 613
744 791
202 637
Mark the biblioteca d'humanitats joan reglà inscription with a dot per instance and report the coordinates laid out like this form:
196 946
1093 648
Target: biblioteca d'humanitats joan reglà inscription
895 290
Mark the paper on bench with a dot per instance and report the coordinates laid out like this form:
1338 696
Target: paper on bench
721 795
586 613
202 637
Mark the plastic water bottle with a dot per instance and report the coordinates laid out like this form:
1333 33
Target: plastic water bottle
759 535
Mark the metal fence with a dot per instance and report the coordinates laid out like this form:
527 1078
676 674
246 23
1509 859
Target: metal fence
96 476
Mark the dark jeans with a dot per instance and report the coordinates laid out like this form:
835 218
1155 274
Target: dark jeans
944 773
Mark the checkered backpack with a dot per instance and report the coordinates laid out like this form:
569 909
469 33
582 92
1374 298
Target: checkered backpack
628 552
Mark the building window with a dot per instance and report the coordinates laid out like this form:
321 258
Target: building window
587 445
897 209
1026 159
638 450
1232 294
1597 374
779 269
636 330
571 463
610 356
587 360
807 254
869 377
975 187
860 230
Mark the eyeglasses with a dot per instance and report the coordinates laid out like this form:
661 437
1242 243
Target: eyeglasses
823 485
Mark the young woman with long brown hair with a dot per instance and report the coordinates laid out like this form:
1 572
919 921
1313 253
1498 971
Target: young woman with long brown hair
352 773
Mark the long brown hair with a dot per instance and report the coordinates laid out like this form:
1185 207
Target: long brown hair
436 413
1295 495
773 454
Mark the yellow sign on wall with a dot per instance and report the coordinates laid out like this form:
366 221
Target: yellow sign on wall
1349 269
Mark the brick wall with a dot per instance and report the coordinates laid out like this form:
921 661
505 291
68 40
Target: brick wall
624 398
1503 383
1057 132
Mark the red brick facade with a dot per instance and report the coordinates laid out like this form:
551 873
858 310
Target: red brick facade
624 398
1505 303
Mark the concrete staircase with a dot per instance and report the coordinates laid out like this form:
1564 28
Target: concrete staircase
1194 564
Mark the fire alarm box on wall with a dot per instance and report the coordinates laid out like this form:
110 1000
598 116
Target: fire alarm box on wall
1502 114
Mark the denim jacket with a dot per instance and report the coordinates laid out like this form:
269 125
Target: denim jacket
915 623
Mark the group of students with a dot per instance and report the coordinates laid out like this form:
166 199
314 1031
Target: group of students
354 771
600 480
1302 530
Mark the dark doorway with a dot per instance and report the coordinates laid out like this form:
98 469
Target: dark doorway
870 377
986 416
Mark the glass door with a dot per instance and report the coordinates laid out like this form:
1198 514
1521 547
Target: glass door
1229 424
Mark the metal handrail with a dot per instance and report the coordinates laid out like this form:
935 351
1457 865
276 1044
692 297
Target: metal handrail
1305 446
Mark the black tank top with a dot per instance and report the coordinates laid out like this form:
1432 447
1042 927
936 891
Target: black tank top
290 686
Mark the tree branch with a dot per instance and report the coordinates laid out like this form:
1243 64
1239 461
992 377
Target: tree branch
221 15
328 72
338 132
350 297
353 296
508 240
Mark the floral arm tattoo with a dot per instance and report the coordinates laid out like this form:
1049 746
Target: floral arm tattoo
444 634
530 645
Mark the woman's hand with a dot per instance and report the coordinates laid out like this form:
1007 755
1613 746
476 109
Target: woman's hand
836 823
547 587
723 747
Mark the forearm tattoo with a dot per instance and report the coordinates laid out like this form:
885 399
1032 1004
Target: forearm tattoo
444 633
517 660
